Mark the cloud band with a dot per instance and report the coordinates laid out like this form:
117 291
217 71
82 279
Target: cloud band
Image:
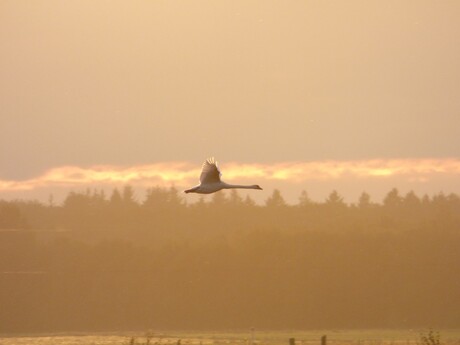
186 173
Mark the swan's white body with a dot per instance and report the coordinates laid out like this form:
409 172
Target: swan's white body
210 181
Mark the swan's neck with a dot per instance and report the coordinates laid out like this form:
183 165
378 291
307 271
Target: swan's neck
232 186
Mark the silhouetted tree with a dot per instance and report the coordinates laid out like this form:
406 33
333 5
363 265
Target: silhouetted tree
392 199
335 199
248 201
411 200
453 199
174 199
275 200
426 200
115 198
218 199
200 205
11 216
235 199
364 200
156 198
304 199
128 196
78 210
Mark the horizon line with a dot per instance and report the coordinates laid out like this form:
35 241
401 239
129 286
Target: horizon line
184 173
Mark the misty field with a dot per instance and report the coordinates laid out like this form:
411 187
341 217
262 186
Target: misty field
336 337
98 264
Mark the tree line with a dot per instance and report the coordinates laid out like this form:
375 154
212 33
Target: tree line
99 262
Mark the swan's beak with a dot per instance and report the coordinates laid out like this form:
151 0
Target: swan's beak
191 190
258 187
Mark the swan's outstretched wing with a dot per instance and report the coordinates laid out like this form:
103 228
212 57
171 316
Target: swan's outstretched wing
210 173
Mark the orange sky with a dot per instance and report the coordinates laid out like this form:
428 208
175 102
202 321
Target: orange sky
367 89
319 177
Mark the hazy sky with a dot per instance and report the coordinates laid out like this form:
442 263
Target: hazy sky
130 83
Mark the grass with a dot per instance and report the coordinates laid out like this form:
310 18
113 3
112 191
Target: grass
430 338
334 337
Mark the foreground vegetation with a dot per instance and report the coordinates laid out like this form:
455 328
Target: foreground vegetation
112 263
261 337
242 337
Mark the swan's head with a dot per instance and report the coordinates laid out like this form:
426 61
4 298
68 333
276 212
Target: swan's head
191 190
256 186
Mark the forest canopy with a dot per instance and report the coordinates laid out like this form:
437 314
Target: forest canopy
111 262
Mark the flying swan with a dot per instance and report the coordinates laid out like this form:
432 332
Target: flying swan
210 181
